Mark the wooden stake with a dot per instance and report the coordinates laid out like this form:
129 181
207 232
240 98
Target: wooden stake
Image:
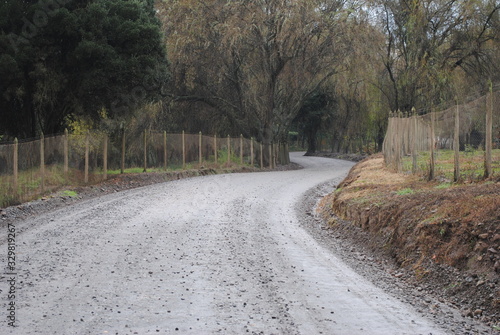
261 156
165 150
414 142
122 165
145 150
16 164
105 157
432 138
199 149
66 153
456 145
251 151
42 162
215 148
270 156
241 149
489 134
183 150
87 140
228 149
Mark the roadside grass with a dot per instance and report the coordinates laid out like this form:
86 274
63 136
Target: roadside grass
69 193
471 163
424 224
29 181
443 186
405 191
134 170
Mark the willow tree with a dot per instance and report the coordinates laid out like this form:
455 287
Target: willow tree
427 41
257 61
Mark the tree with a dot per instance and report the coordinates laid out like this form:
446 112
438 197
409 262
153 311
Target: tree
426 41
311 117
63 59
256 61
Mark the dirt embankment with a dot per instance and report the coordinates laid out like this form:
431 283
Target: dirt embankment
444 237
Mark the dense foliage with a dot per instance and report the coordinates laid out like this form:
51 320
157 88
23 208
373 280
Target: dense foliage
253 67
65 59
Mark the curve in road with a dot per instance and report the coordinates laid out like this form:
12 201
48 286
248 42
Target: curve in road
218 254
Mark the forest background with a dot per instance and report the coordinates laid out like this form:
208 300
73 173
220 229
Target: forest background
325 74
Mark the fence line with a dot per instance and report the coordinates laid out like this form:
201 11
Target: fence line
458 143
32 168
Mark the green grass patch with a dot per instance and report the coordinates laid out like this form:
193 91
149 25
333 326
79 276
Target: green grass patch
29 181
443 186
471 163
405 191
222 157
69 193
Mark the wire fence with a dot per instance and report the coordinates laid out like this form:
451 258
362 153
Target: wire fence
31 168
459 143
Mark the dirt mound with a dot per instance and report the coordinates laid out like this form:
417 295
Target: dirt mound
446 236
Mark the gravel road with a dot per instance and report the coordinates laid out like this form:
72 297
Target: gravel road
222 254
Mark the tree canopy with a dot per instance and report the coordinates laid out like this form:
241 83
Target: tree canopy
242 67
258 61
431 44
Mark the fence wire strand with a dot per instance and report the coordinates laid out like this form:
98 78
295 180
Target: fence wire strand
44 165
412 139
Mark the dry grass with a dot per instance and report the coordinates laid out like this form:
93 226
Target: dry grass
426 227
421 223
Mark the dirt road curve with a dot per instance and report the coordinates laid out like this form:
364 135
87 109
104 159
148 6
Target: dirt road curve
221 254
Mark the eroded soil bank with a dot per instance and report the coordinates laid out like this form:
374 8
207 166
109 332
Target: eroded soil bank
218 254
444 238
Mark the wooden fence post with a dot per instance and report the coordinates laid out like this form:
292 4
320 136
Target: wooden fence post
228 149
385 144
489 133
270 155
456 144
399 142
105 157
431 158
407 131
122 165
215 148
288 153
42 162
165 150
66 153
200 140
251 151
87 139
16 164
414 141
276 152
241 149
145 150
261 156
183 150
